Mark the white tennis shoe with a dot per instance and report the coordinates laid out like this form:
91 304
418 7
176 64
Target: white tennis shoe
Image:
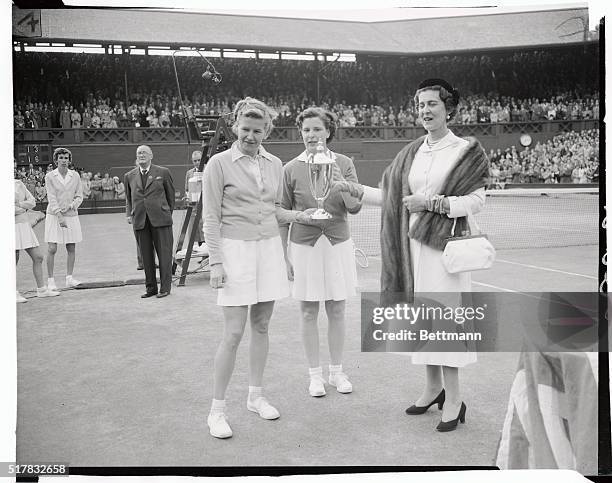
218 426
262 407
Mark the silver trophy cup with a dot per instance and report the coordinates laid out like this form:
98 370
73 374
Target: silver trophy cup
320 172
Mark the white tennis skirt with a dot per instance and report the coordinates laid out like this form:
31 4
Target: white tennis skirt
324 271
25 236
255 272
451 359
54 233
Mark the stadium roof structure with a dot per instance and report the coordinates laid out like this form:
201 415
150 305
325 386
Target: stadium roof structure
142 27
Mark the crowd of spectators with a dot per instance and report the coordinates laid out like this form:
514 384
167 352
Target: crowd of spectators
164 113
95 186
34 179
61 90
571 157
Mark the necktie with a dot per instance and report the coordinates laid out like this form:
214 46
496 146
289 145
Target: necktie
143 177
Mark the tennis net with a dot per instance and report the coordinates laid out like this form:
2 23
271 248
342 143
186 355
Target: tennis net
514 218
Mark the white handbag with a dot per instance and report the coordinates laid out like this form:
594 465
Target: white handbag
468 253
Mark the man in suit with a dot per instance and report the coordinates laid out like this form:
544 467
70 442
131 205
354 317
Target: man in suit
149 195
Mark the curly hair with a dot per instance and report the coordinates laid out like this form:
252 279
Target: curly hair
330 120
59 151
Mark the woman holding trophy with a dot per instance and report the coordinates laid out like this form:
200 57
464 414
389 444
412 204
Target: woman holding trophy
242 188
320 257
433 181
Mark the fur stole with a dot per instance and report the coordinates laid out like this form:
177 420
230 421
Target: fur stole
469 174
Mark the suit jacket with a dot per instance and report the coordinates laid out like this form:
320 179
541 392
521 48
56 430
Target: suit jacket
155 199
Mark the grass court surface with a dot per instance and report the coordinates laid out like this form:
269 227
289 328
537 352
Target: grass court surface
106 378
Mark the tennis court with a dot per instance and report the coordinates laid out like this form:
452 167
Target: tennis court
106 378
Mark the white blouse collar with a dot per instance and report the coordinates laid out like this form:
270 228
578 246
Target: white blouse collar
448 140
304 155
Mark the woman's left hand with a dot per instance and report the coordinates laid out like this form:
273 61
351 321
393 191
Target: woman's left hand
414 203
304 217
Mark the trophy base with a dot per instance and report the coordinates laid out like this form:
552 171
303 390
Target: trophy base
320 214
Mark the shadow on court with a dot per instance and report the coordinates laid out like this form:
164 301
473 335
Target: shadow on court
106 378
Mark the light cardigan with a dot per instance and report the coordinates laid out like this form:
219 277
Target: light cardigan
24 201
64 196
242 198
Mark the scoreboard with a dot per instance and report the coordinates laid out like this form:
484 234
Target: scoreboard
34 152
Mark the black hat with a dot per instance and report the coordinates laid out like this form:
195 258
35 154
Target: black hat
442 83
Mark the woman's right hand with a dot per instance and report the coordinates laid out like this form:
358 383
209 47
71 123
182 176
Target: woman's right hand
350 187
217 276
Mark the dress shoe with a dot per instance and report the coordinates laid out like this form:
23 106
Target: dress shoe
445 426
161 295
139 267
421 409
148 294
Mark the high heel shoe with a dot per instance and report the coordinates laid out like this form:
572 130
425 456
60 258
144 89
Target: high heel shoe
452 425
421 409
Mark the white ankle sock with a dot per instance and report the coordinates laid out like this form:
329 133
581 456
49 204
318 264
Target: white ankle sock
218 406
50 280
335 369
255 392
315 371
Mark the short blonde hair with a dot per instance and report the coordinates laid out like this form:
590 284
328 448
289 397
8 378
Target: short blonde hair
255 109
